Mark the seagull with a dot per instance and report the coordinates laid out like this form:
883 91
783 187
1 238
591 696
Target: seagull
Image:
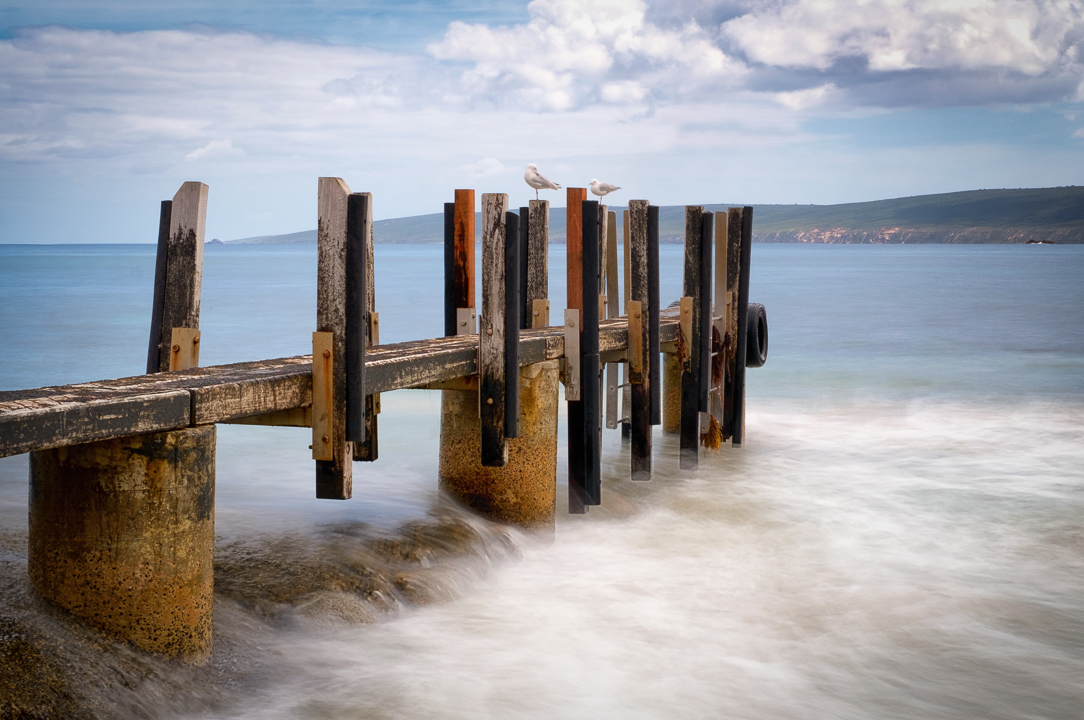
601 189
538 181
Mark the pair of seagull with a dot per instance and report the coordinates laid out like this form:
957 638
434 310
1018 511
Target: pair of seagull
540 182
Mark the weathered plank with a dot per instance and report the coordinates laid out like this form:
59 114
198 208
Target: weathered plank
613 296
653 312
523 238
184 265
626 390
154 344
492 381
228 392
730 340
704 318
71 417
718 331
334 477
538 238
640 376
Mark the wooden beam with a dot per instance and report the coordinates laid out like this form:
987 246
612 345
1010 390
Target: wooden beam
640 374
492 380
323 396
653 306
368 449
523 254
464 249
730 340
718 332
184 265
294 417
540 314
154 344
626 390
334 473
704 317
450 298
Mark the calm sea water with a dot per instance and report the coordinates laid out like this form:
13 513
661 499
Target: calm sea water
902 535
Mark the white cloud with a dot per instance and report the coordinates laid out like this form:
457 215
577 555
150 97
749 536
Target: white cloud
486 167
573 52
1079 133
1031 37
214 150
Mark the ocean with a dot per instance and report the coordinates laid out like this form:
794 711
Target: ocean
901 535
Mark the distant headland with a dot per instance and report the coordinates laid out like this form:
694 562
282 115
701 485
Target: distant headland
1032 215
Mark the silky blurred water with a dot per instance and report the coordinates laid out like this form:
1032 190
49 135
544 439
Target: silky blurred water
902 535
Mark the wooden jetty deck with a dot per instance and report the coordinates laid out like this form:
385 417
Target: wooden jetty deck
56 416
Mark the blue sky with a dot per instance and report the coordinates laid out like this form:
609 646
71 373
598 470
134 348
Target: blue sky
107 107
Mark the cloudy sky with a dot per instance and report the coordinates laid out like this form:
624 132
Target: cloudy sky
106 106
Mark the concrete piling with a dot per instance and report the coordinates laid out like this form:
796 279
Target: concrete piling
121 535
524 492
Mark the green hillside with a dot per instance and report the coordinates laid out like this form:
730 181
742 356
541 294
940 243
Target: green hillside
982 216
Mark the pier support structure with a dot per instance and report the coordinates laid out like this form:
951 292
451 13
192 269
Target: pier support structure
523 492
121 535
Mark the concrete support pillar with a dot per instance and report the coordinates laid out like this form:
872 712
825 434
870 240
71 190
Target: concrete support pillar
122 536
524 492
671 394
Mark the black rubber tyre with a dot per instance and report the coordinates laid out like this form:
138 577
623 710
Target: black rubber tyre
756 336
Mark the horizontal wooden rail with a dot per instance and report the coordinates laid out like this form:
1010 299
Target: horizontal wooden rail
84 412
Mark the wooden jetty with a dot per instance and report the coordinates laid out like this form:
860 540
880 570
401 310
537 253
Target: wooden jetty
121 527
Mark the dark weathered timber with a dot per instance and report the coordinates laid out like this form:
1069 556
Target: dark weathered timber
73 415
184 265
730 342
590 387
222 393
653 306
718 333
357 210
368 449
513 317
334 478
449 270
705 310
464 248
743 312
538 231
691 358
640 417
574 246
626 394
154 345
522 252
492 381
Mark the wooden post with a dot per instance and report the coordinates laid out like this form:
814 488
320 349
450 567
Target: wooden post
574 246
689 343
704 349
653 310
334 477
538 263
155 342
464 249
356 230
730 340
613 310
743 312
491 369
184 266
523 252
450 294
640 368
590 389
367 450
718 330
626 389
513 319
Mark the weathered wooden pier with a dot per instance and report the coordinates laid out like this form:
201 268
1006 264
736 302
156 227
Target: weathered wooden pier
122 480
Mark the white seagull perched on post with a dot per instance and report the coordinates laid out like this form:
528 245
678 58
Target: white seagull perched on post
538 181
601 188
